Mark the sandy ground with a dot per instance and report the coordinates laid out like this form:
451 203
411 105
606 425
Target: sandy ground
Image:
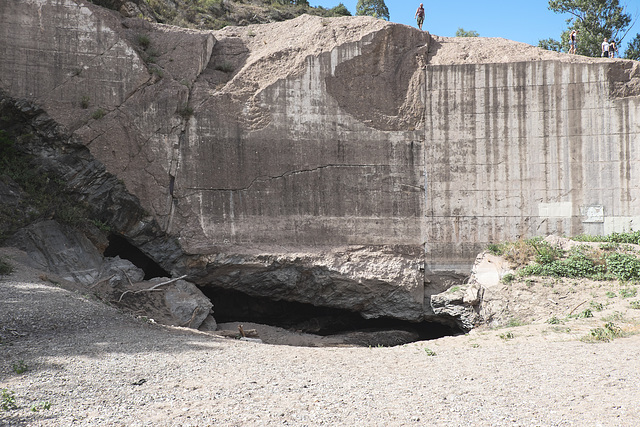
96 366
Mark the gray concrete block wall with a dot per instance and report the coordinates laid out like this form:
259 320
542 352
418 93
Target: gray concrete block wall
313 176
355 145
80 56
516 150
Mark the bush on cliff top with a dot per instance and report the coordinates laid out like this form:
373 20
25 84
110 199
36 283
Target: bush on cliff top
216 14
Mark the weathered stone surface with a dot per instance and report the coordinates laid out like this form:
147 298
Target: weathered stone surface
625 79
68 253
480 300
60 249
241 147
161 300
384 94
488 270
187 304
455 306
61 154
372 281
209 324
119 272
10 192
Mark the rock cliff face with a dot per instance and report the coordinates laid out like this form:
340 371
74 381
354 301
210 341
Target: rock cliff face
346 162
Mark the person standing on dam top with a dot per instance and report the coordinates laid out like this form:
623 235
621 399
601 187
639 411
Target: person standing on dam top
605 48
613 49
573 41
419 16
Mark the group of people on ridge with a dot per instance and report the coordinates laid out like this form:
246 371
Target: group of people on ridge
609 48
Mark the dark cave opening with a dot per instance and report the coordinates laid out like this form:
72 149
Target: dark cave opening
119 246
233 306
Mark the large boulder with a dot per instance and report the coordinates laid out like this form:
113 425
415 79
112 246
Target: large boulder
481 299
60 249
174 302
187 304
118 272
69 254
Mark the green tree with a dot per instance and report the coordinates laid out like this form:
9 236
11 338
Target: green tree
293 2
461 32
633 49
550 44
594 20
340 10
376 8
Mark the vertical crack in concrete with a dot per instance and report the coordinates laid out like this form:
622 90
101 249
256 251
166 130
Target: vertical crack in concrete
425 129
423 63
176 155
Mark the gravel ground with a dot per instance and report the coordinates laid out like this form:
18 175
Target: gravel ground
99 367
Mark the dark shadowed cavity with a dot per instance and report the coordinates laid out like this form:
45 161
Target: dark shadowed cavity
119 246
234 306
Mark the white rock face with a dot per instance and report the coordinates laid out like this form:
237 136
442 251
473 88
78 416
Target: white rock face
489 269
481 300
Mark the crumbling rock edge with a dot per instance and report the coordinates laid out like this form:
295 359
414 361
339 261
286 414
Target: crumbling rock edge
365 280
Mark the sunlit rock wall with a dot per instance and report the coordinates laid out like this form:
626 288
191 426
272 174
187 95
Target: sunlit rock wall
345 162
308 173
525 149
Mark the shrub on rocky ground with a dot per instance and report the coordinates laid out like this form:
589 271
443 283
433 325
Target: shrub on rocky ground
606 333
610 261
216 14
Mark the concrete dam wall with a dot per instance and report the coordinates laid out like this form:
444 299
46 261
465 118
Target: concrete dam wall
525 149
346 162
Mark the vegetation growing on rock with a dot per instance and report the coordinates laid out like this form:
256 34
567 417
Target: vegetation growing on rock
5 267
39 194
585 286
610 257
216 14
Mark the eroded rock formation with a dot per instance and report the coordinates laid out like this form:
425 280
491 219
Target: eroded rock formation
346 162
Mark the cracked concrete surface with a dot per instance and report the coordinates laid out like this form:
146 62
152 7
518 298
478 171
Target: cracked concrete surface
350 132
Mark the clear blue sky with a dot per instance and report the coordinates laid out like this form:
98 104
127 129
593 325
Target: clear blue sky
521 20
